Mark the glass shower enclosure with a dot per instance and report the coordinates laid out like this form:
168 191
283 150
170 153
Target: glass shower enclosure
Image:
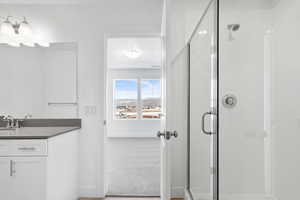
203 179
244 104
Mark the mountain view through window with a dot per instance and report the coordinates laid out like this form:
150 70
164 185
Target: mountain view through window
128 104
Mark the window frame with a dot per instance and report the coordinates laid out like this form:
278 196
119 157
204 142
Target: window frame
139 100
113 103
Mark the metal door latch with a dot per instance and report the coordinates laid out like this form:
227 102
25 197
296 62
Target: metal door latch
167 134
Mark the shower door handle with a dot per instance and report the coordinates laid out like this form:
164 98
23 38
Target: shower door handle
203 123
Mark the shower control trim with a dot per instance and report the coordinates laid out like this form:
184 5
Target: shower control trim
229 101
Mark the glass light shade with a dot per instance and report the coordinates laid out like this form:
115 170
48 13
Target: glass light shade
4 39
10 40
41 40
43 44
25 29
13 43
26 34
7 29
133 54
28 43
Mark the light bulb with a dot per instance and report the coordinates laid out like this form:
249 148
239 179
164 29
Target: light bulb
133 54
203 32
7 28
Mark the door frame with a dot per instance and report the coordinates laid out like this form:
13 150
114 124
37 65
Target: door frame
105 100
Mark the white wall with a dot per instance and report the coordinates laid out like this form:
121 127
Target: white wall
133 166
286 99
87 25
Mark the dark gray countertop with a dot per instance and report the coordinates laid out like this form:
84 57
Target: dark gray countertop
36 132
40 128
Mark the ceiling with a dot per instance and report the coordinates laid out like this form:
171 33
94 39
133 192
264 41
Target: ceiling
150 49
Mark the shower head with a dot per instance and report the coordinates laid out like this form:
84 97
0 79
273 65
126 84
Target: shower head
233 27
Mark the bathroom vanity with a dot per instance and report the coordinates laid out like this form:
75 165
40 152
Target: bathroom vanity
39 157
40 161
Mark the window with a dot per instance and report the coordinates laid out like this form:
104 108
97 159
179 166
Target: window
125 99
137 99
151 99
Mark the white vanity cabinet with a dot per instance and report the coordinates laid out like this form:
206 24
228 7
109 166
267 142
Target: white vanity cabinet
5 178
43 169
28 178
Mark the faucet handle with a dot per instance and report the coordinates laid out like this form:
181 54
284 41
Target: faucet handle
28 116
8 117
10 121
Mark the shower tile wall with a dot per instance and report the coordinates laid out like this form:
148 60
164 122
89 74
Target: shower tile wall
259 138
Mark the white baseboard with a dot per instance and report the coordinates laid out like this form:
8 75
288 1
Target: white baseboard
177 192
203 196
89 192
187 195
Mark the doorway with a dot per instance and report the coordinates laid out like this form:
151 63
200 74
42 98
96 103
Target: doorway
133 111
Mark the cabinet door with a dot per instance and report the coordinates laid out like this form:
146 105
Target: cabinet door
5 179
60 69
29 178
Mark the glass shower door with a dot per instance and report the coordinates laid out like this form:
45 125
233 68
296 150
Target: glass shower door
203 109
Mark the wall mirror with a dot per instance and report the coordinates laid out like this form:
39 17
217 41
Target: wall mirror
39 82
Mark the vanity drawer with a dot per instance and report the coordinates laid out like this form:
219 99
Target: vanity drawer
23 148
4 147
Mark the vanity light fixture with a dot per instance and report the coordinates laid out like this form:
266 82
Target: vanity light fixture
15 34
6 28
133 53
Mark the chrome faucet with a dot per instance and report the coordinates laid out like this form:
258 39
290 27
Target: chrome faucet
11 122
